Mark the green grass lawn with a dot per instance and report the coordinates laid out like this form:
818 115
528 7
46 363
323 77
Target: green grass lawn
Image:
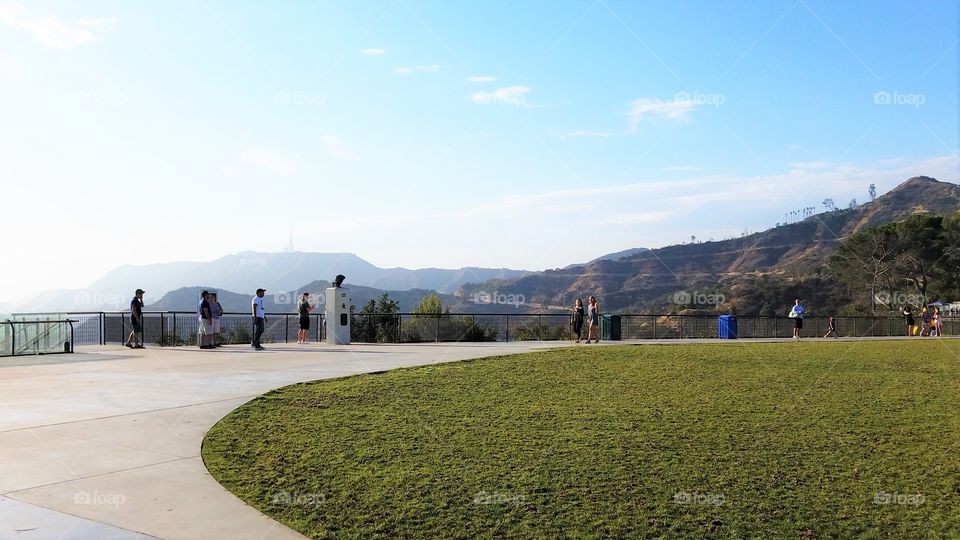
788 440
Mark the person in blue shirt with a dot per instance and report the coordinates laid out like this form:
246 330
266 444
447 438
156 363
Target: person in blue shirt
206 321
796 313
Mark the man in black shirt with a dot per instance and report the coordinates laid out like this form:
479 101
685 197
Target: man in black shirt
135 339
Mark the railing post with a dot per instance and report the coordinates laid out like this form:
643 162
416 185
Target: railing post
286 328
655 327
103 328
438 328
539 326
855 327
13 339
399 328
174 340
508 328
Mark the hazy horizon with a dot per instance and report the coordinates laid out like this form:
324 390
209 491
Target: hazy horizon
415 134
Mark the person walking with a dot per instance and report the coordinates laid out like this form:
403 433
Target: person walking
206 321
831 327
908 317
593 319
135 339
216 312
796 313
926 322
259 319
304 308
938 321
577 319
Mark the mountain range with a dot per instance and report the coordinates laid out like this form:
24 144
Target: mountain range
747 273
734 269
244 272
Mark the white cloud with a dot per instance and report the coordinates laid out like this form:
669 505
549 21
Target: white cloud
809 165
267 158
333 146
481 78
373 52
638 218
586 133
510 95
677 110
55 33
431 68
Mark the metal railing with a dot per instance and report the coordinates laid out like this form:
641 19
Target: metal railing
181 327
21 338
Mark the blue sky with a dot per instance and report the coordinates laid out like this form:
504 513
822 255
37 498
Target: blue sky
518 134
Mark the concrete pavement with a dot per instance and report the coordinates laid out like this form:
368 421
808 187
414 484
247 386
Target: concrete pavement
105 443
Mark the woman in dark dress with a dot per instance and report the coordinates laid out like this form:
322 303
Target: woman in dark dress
908 316
578 319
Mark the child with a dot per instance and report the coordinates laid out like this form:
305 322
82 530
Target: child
831 328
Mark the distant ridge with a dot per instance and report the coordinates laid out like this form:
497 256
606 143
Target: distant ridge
645 280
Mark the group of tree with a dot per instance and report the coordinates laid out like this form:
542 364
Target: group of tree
912 261
380 321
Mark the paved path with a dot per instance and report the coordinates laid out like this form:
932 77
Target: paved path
105 443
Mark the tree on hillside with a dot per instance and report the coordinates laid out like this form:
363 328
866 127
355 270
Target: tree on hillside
829 204
951 255
430 305
377 321
921 251
872 191
852 204
867 260
916 255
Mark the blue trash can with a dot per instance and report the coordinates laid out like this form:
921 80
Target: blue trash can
728 327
